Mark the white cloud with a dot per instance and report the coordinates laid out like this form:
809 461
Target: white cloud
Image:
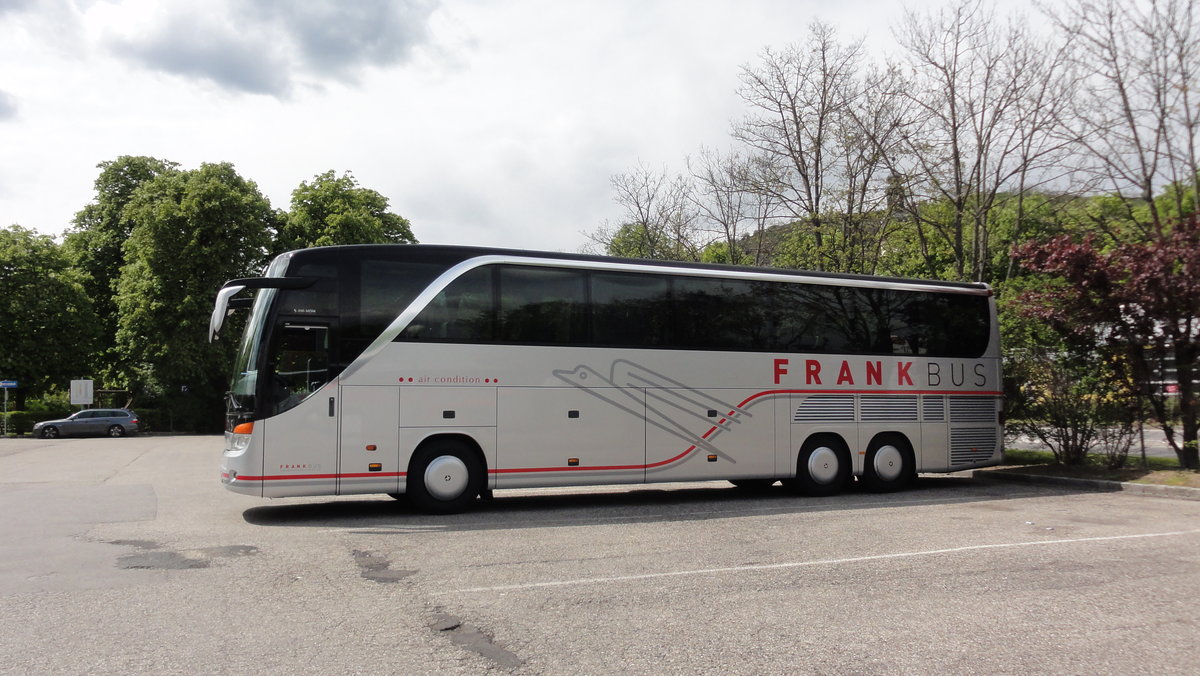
263 47
8 106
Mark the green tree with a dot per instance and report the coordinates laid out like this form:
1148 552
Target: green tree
335 210
48 327
192 231
94 244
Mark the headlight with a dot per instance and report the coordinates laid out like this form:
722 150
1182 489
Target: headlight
237 442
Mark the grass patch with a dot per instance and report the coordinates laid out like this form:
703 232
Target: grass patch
1164 471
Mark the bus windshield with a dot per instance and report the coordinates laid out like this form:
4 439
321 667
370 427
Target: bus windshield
246 364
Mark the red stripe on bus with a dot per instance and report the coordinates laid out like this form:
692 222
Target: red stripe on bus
610 468
303 477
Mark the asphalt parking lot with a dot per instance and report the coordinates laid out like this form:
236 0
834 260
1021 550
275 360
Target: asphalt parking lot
127 556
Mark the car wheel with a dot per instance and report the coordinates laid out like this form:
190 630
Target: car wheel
445 478
50 433
116 431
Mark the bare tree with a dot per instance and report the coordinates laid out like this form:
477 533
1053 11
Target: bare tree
866 137
658 220
1048 85
798 99
1134 117
967 139
728 203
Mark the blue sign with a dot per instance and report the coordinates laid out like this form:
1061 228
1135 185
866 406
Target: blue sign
8 384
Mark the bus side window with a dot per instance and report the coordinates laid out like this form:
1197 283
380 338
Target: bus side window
462 313
542 306
630 310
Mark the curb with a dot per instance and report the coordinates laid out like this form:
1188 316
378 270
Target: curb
1152 490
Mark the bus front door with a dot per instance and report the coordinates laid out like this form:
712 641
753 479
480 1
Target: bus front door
300 436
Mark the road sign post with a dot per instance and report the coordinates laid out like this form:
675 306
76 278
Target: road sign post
7 385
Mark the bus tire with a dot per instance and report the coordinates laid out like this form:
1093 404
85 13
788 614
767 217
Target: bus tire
890 464
444 477
822 466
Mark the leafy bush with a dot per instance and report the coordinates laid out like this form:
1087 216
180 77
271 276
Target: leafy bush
148 419
19 422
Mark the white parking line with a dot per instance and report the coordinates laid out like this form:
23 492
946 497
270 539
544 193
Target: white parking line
818 562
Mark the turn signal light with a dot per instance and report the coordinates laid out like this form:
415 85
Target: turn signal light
243 428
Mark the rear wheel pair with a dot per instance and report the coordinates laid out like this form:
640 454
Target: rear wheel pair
823 465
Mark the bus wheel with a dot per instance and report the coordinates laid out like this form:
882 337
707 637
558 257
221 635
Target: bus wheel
444 478
822 467
889 464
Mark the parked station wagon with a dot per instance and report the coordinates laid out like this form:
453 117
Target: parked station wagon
113 422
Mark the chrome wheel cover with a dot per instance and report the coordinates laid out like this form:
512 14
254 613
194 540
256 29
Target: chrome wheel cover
446 477
888 463
824 465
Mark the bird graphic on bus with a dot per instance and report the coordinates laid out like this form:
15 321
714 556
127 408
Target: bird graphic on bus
625 385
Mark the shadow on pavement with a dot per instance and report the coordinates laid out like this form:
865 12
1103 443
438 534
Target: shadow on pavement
654 503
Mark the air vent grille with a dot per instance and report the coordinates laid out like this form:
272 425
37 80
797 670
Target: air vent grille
825 408
888 408
972 445
934 408
972 409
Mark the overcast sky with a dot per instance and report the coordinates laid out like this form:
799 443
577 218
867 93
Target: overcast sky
482 121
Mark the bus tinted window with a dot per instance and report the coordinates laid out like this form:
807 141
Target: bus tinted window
630 310
387 287
319 299
556 307
462 313
542 305
719 314
955 325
